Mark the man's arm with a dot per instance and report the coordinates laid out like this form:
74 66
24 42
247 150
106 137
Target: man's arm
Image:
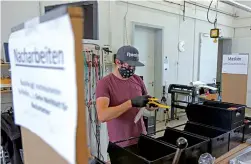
144 92
106 113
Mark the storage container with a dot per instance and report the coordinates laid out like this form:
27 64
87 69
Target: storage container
219 139
237 116
146 151
196 145
236 137
247 129
216 114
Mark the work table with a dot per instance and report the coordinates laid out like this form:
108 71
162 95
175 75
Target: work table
224 159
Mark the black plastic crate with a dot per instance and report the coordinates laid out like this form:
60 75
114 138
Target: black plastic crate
236 137
196 145
219 139
237 115
222 104
247 130
216 114
146 151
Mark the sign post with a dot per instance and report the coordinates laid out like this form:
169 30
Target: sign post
234 78
48 87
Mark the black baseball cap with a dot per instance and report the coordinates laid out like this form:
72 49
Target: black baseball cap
129 55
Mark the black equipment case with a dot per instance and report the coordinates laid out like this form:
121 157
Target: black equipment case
236 136
247 128
219 139
146 151
196 145
217 114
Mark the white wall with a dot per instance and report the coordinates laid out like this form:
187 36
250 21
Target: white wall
242 32
183 66
242 27
14 13
242 24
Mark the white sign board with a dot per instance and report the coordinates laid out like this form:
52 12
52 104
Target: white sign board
235 64
44 83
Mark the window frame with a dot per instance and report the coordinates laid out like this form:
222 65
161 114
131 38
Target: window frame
83 4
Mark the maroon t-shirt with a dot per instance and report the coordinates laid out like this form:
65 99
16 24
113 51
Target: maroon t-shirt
119 91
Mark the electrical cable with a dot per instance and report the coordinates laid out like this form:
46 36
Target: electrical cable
215 21
208 12
95 78
216 17
92 75
125 25
98 143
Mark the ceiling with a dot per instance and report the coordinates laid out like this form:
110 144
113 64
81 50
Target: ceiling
247 3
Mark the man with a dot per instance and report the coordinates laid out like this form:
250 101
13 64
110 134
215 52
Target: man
119 96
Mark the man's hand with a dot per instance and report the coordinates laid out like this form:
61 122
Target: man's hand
151 107
140 101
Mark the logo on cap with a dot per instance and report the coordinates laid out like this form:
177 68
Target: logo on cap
132 55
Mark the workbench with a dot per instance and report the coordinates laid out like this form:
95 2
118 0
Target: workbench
224 159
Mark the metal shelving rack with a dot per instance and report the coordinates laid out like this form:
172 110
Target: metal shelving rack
4 156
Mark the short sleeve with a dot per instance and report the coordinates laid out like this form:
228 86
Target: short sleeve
143 87
102 89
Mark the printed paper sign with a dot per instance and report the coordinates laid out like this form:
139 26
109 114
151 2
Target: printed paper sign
235 64
44 83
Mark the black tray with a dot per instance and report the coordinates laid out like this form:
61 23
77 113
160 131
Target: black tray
219 139
196 145
236 137
216 114
147 151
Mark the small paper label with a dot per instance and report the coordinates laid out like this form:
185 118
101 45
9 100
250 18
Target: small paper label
139 115
31 23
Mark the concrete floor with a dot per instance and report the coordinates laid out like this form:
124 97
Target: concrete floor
248 112
161 125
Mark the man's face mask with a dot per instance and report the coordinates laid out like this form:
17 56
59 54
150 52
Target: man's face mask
126 71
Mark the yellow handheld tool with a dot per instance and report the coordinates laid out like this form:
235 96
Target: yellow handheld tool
153 99
155 102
